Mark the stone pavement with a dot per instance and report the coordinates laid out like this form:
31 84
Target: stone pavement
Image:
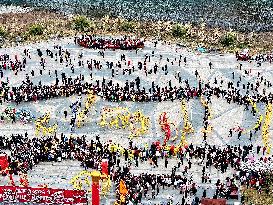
225 116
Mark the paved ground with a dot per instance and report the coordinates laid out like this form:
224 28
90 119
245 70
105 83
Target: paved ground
225 116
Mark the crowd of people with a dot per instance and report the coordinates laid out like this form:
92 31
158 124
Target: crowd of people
237 92
27 151
125 43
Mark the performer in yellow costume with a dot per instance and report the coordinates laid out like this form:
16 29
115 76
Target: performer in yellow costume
265 128
41 123
121 118
91 98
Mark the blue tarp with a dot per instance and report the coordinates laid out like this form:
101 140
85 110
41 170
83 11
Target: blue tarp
202 50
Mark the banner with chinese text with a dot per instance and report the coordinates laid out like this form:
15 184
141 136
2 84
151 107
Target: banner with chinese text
14 194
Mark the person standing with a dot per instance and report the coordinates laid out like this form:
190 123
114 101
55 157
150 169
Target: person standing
239 134
210 65
204 195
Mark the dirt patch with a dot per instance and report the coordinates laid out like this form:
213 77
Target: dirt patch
197 35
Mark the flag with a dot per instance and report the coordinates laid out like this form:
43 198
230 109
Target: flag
122 188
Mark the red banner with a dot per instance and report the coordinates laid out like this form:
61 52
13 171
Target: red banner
4 161
14 194
104 166
213 201
95 193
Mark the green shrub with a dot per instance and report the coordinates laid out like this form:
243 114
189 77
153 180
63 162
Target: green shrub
3 32
243 45
25 35
228 40
36 30
127 26
81 23
179 31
